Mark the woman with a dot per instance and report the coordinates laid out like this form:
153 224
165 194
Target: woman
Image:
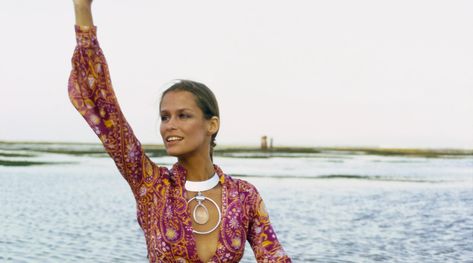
193 212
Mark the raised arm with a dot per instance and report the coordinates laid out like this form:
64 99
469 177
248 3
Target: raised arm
90 91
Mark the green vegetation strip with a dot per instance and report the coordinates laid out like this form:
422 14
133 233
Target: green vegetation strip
16 155
28 163
158 150
406 152
21 163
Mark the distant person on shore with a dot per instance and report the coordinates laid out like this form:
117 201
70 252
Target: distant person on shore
193 212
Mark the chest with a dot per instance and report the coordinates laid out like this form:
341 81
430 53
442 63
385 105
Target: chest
168 223
205 210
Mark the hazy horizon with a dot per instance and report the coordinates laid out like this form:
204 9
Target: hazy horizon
253 145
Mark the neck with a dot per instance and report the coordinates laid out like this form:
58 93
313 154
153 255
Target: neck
199 168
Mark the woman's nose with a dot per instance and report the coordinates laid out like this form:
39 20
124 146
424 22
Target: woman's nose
170 124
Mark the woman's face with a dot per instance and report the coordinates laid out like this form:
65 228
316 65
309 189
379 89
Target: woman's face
183 127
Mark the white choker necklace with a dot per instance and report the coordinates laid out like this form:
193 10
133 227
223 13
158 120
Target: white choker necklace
201 213
200 186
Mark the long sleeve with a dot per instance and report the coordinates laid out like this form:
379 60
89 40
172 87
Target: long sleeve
90 91
262 238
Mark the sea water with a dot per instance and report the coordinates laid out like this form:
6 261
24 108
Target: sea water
330 207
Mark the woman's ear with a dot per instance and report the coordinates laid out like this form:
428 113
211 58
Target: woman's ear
214 125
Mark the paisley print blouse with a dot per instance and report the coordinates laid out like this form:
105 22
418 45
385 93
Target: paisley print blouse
162 210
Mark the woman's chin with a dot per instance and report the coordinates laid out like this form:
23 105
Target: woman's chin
182 152
174 152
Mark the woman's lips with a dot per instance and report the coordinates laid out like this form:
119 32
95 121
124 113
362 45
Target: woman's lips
172 140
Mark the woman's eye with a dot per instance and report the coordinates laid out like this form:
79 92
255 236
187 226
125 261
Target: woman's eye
184 116
164 118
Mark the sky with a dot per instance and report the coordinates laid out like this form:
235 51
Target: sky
304 72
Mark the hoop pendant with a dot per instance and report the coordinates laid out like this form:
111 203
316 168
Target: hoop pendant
200 197
197 218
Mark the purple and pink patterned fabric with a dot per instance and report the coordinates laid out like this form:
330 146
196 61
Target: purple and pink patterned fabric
162 209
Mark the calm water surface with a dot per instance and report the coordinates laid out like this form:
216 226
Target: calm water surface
325 208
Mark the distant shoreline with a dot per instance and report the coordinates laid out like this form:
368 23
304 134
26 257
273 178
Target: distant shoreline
158 150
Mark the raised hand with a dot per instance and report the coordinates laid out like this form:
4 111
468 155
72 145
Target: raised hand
83 12
82 2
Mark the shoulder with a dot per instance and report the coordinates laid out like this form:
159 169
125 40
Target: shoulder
241 185
247 193
238 188
235 184
250 198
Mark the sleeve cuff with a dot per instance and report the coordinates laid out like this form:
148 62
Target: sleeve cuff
86 36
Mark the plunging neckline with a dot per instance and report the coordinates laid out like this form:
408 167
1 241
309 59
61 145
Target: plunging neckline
219 228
